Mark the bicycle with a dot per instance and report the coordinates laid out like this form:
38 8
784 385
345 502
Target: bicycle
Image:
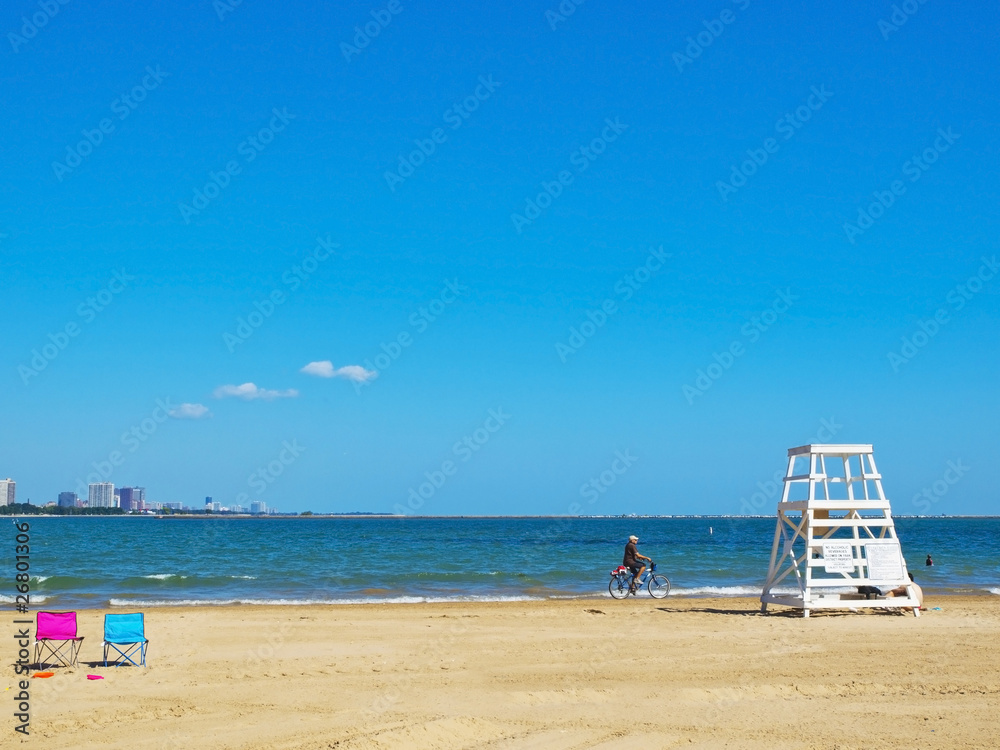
622 581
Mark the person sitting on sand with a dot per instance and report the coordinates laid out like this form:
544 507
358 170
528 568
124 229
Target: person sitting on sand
902 591
632 558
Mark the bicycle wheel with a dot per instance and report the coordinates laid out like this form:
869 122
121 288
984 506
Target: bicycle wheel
659 586
618 588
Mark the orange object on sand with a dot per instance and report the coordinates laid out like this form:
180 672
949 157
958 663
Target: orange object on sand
42 674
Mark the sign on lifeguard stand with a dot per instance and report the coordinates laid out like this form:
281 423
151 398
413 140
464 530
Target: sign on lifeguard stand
834 533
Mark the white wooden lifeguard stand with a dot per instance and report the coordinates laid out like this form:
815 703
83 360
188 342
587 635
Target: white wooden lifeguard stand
835 531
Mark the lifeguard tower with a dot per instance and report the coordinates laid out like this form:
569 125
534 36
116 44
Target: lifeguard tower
834 534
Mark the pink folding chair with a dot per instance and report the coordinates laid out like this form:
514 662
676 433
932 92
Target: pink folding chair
55 633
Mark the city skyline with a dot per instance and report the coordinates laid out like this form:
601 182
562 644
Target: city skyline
128 499
756 505
107 495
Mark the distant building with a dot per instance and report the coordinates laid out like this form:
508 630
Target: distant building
258 507
7 491
132 498
68 499
101 495
172 506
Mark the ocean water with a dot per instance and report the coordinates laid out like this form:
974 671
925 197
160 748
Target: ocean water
93 562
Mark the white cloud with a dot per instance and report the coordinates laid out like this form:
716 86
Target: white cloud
189 411
325 369
322 369
250 392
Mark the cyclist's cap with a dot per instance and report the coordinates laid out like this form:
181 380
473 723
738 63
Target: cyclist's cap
633 538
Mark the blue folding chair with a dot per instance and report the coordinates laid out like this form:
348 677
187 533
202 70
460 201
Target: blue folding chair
126 635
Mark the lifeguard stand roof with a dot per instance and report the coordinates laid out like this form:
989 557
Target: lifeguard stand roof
832 450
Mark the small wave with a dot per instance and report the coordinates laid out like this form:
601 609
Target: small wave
68 581
718 591
734 591
461 575
995 590
480 598
164 576
207 602
313 602
35 599
245 578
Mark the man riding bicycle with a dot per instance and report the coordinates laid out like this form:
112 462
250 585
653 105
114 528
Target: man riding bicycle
631 561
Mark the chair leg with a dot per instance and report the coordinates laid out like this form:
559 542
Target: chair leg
41 648
65 654
126 653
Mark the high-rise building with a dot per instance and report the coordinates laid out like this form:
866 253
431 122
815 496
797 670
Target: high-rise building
258 506
68 499
132 498
101 495
7 493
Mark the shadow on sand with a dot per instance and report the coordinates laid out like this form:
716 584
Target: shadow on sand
783 612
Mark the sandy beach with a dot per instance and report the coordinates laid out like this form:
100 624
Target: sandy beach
591 673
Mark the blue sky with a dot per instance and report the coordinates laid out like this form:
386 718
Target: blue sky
471 192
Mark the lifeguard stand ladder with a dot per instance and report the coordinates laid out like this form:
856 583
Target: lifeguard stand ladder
834 533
